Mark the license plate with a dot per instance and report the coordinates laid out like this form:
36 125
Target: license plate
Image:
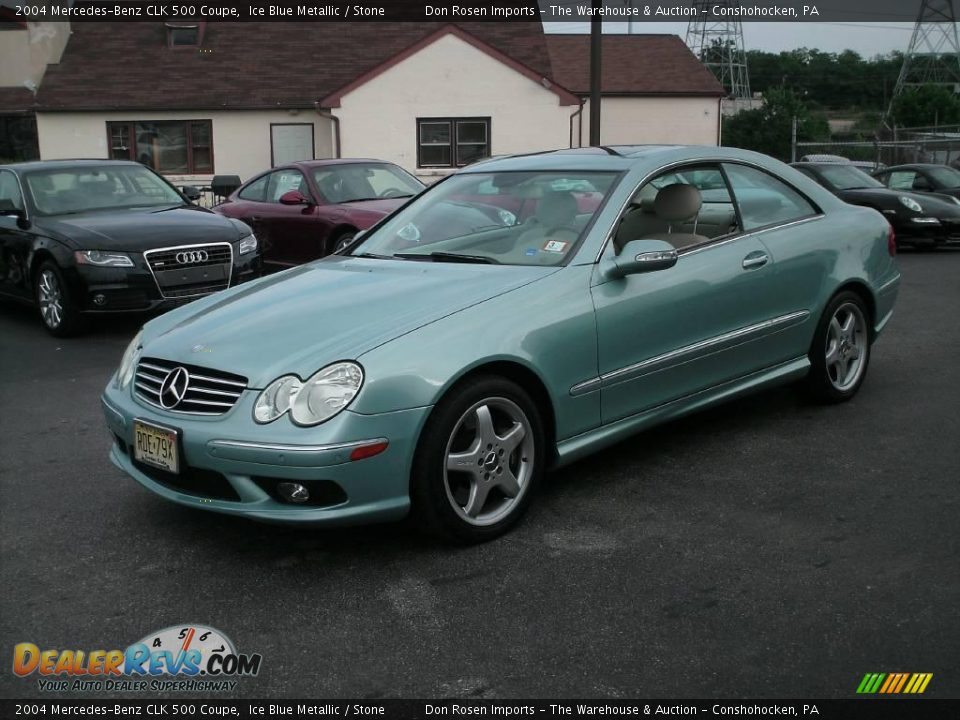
156 446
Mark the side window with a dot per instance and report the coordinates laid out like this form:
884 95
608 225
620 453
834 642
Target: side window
256 191
763 199
684 207
901 180
283 181
10 190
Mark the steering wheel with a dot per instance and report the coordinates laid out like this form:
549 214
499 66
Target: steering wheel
391 193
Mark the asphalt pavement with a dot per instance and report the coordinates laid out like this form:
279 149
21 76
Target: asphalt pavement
766 548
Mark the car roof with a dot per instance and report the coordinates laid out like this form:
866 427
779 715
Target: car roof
914 166
67 163
611 158
334 161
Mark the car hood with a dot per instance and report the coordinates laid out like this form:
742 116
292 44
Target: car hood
334 309
137 230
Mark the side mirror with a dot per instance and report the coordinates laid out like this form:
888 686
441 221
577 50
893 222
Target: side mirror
294 197
191 192
641 256
8 209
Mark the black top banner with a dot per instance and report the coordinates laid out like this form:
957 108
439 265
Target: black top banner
637 11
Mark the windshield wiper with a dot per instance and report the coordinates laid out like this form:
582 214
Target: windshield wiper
448 257
374 256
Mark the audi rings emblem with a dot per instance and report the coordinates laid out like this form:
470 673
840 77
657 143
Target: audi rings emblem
191 257
174 387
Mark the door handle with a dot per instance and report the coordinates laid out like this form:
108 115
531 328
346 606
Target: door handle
755 260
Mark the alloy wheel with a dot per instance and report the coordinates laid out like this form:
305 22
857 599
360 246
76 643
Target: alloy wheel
846 347
50 298
489 461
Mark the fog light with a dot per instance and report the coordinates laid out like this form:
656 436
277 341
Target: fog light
99 299
293 492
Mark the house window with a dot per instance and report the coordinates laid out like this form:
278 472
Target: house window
452 142
170 146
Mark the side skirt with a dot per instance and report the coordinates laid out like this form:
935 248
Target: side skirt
589 442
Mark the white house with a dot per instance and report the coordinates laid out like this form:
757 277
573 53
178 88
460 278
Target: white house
198 99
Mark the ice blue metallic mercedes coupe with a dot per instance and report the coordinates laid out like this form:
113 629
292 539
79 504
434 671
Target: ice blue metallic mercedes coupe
519 315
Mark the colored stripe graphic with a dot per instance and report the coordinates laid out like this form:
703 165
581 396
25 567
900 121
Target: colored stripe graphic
894 683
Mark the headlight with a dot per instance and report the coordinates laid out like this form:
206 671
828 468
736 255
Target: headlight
248 244
276 399
312 401
102 258
911 203
129 362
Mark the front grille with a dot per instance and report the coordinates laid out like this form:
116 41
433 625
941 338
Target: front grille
191 270
197 390
192 481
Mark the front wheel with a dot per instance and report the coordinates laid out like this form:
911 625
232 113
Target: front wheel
479 460
57 309
341 241
841 349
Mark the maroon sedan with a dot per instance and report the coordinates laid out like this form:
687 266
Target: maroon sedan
307 209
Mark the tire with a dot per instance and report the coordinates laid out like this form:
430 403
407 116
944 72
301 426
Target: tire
840 352
57 307
341 241
491 432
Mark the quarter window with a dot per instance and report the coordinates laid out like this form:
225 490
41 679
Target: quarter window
764 200
169 146
452 142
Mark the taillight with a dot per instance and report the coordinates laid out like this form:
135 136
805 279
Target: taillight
891 241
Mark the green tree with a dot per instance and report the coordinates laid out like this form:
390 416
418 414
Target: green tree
768 128
926 105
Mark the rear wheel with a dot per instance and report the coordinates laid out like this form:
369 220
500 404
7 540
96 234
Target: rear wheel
841 349
58 310
479 461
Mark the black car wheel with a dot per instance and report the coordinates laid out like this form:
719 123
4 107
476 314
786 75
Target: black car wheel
58 311
341 241
840 351
479 461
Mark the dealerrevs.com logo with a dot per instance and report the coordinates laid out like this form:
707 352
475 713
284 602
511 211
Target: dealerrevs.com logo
180 657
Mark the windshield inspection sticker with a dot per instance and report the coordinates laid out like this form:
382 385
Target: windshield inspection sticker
555 246
530 252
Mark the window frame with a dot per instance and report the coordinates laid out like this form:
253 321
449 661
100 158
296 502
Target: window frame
131 126
453 144
679 166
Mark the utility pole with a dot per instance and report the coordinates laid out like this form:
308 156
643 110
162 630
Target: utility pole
596 53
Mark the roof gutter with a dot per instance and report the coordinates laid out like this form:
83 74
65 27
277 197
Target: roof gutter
336 127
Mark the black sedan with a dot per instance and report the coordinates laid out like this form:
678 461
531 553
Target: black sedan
921 177
917 219
79 237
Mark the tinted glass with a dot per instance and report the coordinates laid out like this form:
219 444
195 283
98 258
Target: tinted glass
847 177
512 218
10 190
350 182
764 200
74 190
256 191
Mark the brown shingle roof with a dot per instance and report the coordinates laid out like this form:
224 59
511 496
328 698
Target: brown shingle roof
15 100
128 66
632 65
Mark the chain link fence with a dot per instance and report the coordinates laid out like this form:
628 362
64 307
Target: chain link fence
938 144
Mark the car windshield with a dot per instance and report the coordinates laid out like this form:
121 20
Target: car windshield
945 177
352 182
847 177
64 191
510 218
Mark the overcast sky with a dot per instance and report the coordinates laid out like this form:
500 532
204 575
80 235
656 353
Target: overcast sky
868 38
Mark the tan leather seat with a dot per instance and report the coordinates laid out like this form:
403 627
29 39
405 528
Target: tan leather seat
555 219
664 217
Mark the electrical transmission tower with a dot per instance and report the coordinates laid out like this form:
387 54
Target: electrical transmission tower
719 45
933 57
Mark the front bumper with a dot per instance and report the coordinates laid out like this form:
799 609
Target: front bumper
119 290
229 464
